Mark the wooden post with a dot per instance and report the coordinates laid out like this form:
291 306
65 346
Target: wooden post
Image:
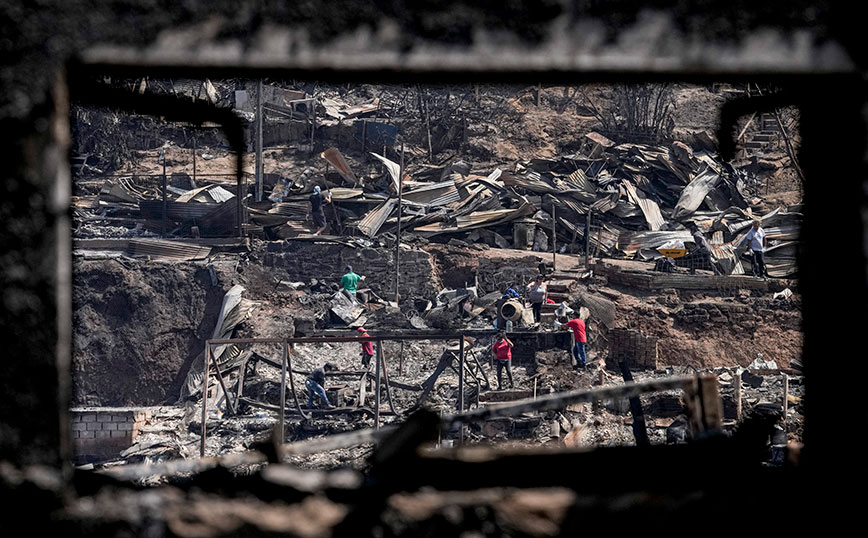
786 384
704 410
587 236
282 413
312 106
554 239
640 432
259 125
194 160
400 202
461 385
737 381
205 399
377 385
401 360
428 128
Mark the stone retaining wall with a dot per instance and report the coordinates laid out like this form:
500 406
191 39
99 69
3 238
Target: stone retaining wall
326 263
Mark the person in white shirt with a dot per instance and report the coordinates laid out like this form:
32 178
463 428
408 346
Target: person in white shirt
756 241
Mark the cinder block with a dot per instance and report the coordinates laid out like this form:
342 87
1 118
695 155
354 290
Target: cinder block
88 417
94 426
100 434
125 426
119 434
103 417
108 426
78 426
120 417
85 434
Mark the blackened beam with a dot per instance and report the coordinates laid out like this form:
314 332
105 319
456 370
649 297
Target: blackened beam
553 401
557 401
371 338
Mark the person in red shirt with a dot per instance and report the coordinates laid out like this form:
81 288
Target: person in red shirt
503 356
579 341
367 347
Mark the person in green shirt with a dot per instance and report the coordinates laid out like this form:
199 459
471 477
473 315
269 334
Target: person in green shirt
350 282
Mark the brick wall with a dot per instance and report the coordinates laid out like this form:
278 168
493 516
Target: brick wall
637 350
100 433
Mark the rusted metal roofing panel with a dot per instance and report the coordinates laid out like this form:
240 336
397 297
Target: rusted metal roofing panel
629 243
334 157
159 248
599 139
177 211
478 219
375 219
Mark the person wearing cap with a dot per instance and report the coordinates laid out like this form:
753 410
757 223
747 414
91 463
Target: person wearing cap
503 357
579 341
316 202
315 383
350 282
367 347
537 293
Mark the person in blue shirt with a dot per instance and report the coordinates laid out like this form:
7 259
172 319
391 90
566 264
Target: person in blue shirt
756 242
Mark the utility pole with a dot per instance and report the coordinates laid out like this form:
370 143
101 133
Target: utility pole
398 239
165 203
259 123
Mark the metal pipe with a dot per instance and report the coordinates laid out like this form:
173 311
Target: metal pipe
292 384
205 398
259 124
165 202
388 385
377 385
282 413
223 385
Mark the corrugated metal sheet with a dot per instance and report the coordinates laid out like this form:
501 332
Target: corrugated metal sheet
374 220
176 211
694 193
434 195
158 248
392 167
334 157
629 243
649 207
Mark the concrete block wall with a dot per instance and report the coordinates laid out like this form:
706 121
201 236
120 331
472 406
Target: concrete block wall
104 432
326 263
637 350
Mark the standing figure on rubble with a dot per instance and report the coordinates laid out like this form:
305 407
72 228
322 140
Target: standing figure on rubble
315 383
367 347
503 357
316 202
537 292
350 282
756 241
579 341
